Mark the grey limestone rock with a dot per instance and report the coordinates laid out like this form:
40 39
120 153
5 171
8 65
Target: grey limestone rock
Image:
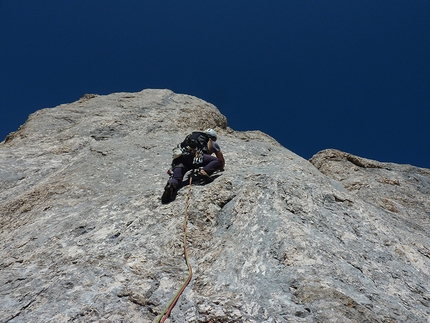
274 238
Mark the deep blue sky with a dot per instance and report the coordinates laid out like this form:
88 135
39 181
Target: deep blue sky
350 75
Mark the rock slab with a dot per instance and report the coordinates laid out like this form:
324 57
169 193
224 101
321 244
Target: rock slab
275 238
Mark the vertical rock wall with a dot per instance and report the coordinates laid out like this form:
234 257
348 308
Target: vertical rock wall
84 237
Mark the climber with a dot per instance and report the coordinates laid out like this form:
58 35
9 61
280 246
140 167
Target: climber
195 152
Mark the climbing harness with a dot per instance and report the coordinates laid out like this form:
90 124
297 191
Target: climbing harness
168 309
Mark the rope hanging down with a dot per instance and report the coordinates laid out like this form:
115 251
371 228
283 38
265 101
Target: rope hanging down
168 309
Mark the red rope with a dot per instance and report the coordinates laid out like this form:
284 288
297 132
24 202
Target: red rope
166 312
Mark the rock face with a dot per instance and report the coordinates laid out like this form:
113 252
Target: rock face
275 238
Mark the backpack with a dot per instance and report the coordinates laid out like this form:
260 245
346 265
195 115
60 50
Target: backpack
196 140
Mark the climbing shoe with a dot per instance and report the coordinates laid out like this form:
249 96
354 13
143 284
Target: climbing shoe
169 194
203 176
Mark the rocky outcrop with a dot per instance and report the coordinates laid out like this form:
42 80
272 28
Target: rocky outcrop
275 238
401 189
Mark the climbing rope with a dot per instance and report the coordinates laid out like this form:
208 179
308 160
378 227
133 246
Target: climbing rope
168 309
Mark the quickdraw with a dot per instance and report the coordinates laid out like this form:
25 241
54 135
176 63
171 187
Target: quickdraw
168 309
198 158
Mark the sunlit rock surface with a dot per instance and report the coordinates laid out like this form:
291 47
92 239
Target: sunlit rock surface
275 238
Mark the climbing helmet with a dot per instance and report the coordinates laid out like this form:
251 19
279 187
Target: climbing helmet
211 133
